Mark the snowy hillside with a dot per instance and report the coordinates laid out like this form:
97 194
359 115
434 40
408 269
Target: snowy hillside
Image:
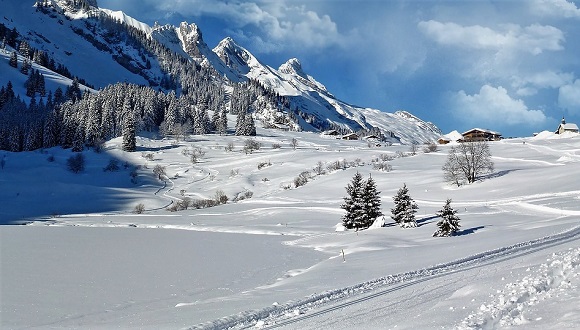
270 256
86 39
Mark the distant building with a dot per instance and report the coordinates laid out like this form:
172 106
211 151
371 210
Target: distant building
331 132
566 127
478 134
454 136
351 136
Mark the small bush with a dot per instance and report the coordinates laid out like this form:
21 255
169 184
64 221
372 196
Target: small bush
382 166
251 145
319 169
50 159
149 156
431 147
221 197
113 166
386 157
139 208
234 172
276 146
302 179
261 165
229 147
159 171
243 195
76 163
294 143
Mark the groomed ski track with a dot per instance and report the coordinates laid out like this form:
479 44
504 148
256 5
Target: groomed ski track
294 312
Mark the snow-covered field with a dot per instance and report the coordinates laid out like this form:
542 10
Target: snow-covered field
85 260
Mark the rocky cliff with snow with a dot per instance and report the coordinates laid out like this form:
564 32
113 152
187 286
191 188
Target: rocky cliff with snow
87 40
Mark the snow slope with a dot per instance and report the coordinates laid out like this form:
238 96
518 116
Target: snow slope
275 260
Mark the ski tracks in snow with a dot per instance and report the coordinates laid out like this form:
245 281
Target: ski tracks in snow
330 301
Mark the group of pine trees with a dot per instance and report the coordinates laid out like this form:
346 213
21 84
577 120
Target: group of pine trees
363 206
363 203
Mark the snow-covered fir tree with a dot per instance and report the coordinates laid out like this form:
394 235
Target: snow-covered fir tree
405 208
354 204
449 223
372 200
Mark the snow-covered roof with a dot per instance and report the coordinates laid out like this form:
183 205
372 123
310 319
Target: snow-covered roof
482 130
569 126
452 136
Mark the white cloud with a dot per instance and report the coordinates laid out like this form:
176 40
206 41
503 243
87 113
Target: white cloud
533 39
569 97
529 84
494 107
282 25
558 8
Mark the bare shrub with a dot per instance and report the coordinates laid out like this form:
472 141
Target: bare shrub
159 171
413 148
229 147
431 147
302 179
261 165
243 195
382 166
294 143
139 208
276 146
149 156
76 163
221 197
386 157
251 145
234 172
319 168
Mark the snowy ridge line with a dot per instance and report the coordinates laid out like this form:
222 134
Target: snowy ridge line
289 313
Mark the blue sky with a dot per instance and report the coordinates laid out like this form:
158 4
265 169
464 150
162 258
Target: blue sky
509 66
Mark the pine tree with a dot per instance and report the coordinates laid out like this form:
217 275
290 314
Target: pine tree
449 223
354 205
129 141
405 208
372 200
13 62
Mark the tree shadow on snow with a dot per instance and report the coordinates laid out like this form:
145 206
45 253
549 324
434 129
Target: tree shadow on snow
468 231
153 149
37 189
497 174
426 220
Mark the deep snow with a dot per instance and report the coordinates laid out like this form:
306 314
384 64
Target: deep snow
86 261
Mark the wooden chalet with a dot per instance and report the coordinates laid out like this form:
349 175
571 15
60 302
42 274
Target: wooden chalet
566 127
351 136
478 134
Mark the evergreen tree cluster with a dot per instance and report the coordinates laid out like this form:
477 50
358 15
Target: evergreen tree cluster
363 203
35 84
30 54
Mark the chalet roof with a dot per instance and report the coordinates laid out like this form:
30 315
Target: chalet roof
481 130
569 126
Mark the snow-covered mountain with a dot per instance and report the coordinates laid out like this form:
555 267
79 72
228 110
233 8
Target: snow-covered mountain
85 38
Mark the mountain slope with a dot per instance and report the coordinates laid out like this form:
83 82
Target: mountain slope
103 46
